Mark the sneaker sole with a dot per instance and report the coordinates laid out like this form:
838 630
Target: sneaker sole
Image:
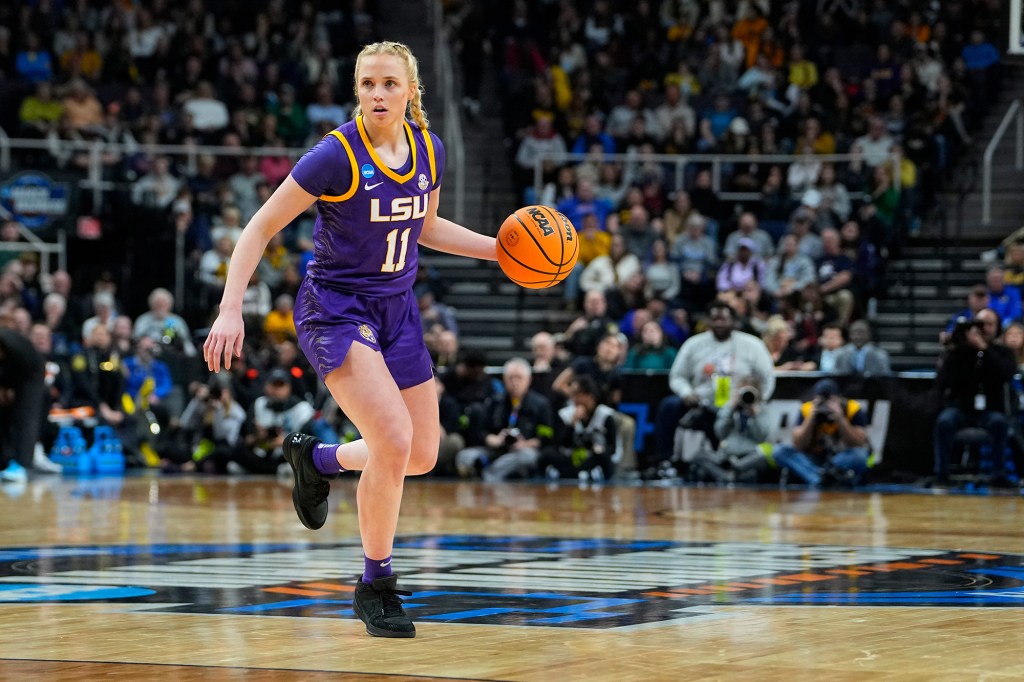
308 520
376 631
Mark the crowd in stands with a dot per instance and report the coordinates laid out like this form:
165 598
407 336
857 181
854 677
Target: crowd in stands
899 86
260 74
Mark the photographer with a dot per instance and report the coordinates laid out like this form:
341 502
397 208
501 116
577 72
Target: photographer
829 441
585 436
211 425
516 426
274 414
702 377
972 378
741 427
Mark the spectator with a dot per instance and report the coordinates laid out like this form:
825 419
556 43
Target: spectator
243 185
747 229
103 304
697 256
788 271
98 382
515 428
207 114
835 276
672 110
977 300
324 112
213 266
586 201
829 444
808 243
158 188
830 345
1013 338
605 272
733 275
279 323
778 339
861 356
147 379
546 366
434 313
33 64
592 136
1005 300
653 352
638 233
162 325
876 145
542 140
83 113
40 113
661 274
602 366
292 124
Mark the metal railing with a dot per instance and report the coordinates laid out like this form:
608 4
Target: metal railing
715 162
454 142
1014 112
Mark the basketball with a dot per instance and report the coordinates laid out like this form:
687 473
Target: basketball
537 247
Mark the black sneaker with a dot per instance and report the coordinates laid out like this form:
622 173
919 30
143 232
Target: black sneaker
379 606
309 494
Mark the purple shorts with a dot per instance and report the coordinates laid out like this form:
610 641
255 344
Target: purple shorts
328 321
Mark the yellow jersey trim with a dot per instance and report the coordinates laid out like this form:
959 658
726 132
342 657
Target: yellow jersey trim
430 156
377 160
355 171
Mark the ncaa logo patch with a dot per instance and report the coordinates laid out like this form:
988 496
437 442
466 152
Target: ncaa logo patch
422 181
367 333
367 171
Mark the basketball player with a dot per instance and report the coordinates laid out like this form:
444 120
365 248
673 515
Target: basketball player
376 181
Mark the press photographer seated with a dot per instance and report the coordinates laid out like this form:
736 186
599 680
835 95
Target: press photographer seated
742 426
973 377
585 436
829 441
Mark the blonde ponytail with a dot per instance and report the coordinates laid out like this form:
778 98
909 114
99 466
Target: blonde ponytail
402 51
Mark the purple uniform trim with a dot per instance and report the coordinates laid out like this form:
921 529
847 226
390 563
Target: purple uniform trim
329 321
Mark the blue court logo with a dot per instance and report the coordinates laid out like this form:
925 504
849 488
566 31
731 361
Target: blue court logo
33 199
367 171
583 583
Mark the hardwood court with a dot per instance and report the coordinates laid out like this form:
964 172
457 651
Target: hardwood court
204 578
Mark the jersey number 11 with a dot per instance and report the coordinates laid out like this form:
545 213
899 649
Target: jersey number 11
389 264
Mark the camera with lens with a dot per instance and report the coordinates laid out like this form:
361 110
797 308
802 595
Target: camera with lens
512 436
958 338
748 395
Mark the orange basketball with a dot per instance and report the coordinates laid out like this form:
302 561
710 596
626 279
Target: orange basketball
537 247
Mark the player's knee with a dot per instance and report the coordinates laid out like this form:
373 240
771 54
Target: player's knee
422 460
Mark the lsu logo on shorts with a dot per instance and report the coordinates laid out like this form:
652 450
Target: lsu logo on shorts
367 333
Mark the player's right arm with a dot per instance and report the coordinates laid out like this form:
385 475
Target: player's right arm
226 335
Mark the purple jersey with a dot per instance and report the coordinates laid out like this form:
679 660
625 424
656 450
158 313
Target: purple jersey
369 216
